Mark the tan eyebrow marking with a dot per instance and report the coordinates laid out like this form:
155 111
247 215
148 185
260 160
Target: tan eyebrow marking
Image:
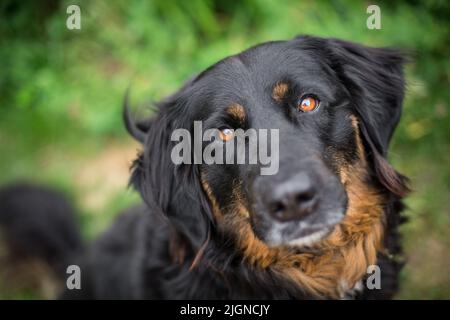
280 90
237 111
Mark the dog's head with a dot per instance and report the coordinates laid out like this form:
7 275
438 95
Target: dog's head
334 105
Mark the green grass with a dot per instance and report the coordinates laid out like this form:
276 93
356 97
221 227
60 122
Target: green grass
61 93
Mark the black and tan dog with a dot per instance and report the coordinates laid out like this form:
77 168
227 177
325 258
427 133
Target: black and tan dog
225 231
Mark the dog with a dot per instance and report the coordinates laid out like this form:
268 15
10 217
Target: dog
224 231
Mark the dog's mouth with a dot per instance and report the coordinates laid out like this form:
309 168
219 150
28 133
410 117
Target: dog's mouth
301 234
311 237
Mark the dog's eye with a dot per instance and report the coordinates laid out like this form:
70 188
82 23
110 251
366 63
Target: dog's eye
226 134
308 103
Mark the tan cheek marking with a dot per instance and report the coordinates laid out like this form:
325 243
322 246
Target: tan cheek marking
236 208
359 143
212 199
279 91
237 111
238 202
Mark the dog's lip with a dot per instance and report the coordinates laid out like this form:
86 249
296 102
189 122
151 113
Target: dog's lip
311 236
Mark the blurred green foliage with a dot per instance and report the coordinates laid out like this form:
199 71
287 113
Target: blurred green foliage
61 92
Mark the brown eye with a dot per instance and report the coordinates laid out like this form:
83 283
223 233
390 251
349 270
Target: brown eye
308 103
226 134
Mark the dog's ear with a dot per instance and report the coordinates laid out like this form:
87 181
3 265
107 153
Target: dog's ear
136 128
374 79
174 191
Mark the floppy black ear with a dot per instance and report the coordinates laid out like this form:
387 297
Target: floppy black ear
374 78
173 191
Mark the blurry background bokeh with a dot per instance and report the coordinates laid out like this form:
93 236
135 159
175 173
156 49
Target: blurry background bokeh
61 95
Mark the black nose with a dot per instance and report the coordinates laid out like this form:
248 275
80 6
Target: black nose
292 199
